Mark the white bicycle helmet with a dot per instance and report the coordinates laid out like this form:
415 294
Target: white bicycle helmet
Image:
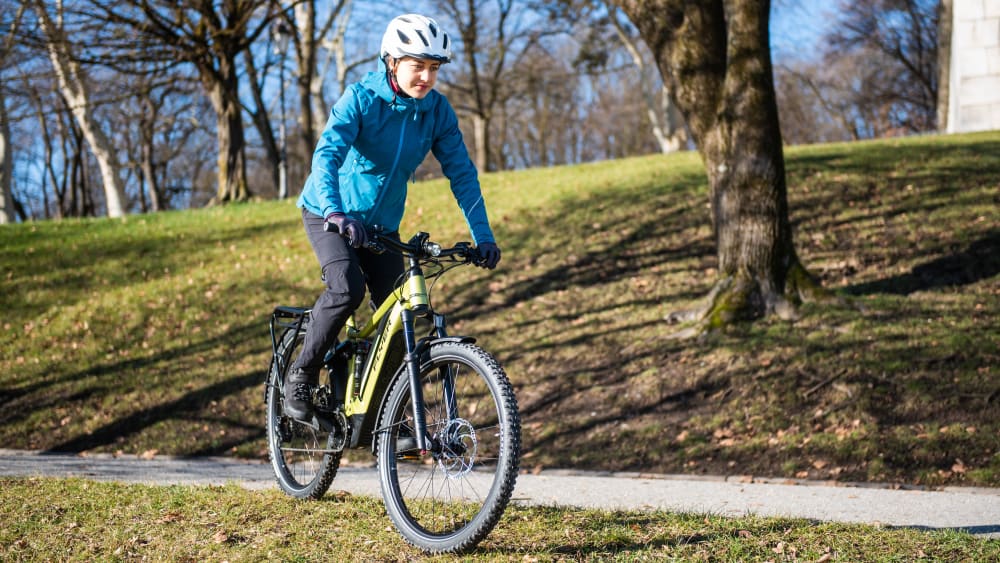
417 36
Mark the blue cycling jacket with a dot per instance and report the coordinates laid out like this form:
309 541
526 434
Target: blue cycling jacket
371 145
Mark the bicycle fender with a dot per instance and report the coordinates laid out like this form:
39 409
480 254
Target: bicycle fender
458 339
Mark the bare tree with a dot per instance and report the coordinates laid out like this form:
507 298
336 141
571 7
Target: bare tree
905 34
495 35
11 22
809 111
147 141
6 165
539 125
837 99
161 119
211 36
319 48
75 86
715 58
665 121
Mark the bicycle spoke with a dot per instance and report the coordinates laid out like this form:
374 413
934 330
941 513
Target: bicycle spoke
457 491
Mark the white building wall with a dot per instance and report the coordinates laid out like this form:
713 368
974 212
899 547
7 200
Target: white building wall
974 88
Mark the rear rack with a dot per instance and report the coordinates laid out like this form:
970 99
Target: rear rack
284 319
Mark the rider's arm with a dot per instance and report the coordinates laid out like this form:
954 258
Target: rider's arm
332 148
449 149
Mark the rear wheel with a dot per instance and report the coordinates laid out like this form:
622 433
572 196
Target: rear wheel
304 458
449 498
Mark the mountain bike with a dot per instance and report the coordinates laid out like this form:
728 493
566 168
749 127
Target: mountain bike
437 411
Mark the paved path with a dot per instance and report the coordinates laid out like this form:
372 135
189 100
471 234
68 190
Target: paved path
974 510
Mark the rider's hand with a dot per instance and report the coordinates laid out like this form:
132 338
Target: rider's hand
352 229
489 255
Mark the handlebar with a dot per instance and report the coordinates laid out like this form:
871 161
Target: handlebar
419 246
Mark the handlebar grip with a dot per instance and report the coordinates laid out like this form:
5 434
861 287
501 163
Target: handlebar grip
372 243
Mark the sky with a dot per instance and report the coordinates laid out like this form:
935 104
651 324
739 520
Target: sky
797 25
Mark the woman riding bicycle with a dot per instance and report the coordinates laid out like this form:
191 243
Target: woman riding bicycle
377 135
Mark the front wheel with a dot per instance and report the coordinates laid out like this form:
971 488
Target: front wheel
449 498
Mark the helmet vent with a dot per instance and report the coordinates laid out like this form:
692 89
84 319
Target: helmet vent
413 35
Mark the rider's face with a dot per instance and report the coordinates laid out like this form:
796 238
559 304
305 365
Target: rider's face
416 77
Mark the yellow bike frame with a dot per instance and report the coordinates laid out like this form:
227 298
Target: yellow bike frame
412 296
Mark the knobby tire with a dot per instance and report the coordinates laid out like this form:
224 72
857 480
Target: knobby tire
302 457
449 499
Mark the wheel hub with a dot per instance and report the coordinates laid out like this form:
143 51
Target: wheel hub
458 447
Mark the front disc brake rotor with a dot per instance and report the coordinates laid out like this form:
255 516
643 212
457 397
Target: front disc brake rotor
458 448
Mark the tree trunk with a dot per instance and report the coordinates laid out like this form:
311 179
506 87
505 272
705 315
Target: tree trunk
715 58
944 63
262 121
311 74
6 166
149 173
147 129
73 84
309 88
480 137
232 166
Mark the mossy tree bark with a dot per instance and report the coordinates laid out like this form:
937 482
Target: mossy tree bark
715 58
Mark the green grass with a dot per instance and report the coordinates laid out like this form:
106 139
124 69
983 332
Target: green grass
150 333
77 520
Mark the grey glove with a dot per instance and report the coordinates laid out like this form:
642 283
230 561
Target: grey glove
351 229
489 255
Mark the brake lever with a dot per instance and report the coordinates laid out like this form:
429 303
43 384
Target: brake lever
372 243
473 256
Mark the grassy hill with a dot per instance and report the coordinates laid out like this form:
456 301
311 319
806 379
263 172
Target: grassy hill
149 334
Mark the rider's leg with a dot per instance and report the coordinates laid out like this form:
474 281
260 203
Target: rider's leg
345 290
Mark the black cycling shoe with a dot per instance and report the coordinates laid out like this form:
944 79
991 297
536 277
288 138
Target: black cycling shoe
299 386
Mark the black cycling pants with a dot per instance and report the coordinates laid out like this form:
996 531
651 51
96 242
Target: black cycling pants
346 272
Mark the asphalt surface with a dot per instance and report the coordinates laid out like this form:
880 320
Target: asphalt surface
975 510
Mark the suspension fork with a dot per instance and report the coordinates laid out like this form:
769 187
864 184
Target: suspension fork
447 372
412 361
412 358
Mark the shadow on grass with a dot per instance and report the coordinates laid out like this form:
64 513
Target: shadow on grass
190 406
108 380
979 261
634 526
591 396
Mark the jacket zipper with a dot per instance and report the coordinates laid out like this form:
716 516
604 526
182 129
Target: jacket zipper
392 172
